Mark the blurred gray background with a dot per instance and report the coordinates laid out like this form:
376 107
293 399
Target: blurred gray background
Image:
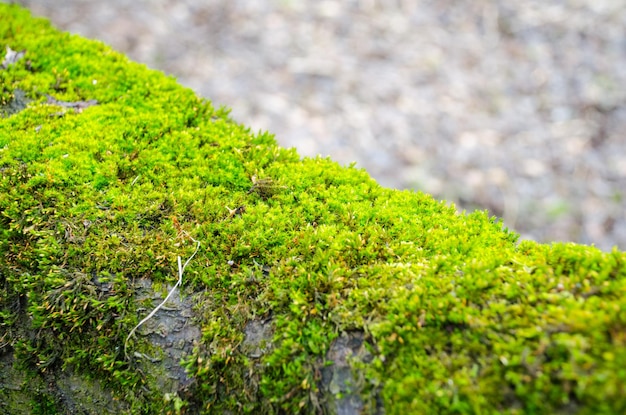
516 107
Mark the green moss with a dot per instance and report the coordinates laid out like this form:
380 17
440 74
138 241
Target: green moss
457 316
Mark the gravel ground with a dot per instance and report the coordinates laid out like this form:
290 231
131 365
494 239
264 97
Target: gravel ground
517 107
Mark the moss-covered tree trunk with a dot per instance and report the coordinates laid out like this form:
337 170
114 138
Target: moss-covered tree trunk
314 290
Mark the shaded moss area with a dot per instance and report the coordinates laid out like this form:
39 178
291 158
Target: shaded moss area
304 265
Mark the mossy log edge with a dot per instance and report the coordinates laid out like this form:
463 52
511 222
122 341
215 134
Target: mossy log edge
315 290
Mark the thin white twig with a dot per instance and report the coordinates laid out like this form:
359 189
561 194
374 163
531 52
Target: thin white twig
181 269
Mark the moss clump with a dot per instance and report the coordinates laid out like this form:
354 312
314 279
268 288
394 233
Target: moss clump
450 314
